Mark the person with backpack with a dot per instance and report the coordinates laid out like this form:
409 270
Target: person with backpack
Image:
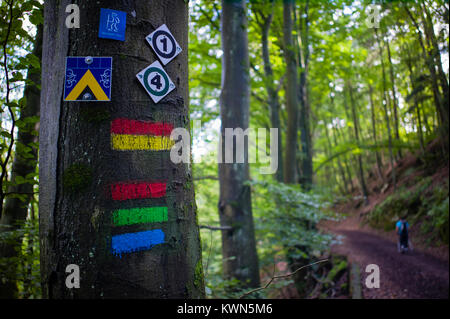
402 228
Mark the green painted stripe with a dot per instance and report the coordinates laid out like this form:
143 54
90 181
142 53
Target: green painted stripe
140 215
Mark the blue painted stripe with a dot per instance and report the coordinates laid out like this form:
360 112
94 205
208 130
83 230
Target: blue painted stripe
132 242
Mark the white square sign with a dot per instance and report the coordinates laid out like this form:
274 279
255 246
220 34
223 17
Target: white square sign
164 44
156 81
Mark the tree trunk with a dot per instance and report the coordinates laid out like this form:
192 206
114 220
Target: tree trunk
272 93
82 179
394 97
240 259
291 96
356 128
440 103
386 114
441 77
374 133
328 153
15 210
336 134
306 174
416 104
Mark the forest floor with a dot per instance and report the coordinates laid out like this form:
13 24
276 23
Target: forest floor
421 273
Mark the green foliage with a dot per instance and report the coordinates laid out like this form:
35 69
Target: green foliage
286 219
423 204
404 202
199 278
436 210
26 271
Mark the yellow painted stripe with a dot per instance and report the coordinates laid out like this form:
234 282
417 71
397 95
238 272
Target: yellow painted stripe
88 79
126 142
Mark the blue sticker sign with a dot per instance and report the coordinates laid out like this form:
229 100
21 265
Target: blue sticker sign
88 79
112 24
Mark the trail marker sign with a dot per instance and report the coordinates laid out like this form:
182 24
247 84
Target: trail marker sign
112 24
156 81
164 44
88 79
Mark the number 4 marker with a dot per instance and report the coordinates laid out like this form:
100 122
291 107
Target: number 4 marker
164 44
156 81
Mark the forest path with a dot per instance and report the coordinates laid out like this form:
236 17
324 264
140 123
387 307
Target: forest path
413 275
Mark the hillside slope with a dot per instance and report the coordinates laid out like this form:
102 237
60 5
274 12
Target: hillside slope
368 236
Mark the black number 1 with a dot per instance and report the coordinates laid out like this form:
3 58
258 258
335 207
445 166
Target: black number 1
164 42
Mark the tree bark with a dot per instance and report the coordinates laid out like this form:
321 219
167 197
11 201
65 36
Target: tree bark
79 168
394 97
306 175
386 115
440 103
374 133
15 210
290 158
240 259
272 92
356 128
416 104
336 134
435 57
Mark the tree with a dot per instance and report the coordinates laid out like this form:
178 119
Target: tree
394 95
264 21
306 176
240 259
291 96
20 186
85 184
386 114
356 128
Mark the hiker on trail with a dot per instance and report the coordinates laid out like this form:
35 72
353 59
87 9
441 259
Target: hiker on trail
402 228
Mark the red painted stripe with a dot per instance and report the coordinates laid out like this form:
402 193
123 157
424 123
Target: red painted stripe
135 127
138 190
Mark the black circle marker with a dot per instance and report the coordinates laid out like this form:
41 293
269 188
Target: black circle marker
155 46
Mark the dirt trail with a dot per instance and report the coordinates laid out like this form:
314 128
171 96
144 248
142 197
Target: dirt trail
414 275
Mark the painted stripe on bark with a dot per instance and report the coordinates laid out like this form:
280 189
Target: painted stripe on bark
141 215
133 242
135 127
126 142
137 190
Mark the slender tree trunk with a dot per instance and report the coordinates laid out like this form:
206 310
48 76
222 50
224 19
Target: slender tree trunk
336 135
290 158
306 176
441 77
240 259
374 133
394 97
341 169
416 104
84 183
425 120
328 149
440 103
272 93
356 128
386 114
15 210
